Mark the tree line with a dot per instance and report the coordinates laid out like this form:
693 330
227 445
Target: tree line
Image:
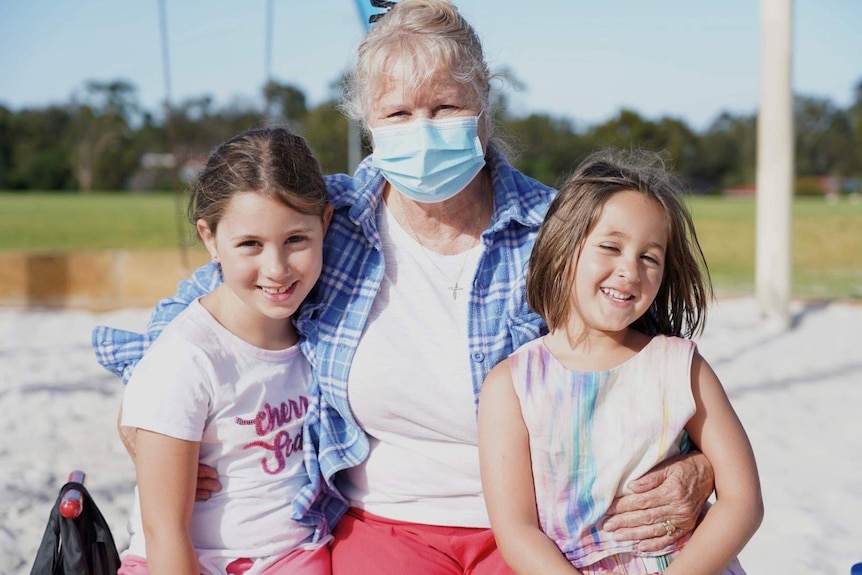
102 139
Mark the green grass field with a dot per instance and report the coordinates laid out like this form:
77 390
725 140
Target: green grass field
827 245
827 238
67 221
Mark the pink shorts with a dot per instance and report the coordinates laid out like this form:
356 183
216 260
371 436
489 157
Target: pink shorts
366 543
312 562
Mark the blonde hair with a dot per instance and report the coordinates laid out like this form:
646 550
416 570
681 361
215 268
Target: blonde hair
680 306
429 36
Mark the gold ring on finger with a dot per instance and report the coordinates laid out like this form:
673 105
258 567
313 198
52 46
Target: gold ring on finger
669 527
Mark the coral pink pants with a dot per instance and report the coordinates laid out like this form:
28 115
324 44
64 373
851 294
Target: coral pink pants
366 543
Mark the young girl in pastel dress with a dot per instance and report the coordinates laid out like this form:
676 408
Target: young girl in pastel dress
226 384
569 419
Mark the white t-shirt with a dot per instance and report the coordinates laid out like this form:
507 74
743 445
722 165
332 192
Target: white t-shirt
246 405
411 390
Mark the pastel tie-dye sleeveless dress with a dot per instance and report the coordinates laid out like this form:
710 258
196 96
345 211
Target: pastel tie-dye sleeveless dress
593 432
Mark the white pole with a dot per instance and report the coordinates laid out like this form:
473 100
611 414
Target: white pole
775 161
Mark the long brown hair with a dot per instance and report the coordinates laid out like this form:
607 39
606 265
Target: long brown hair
680 306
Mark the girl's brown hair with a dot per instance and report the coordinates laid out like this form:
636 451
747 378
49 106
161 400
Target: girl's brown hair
680 307
273 162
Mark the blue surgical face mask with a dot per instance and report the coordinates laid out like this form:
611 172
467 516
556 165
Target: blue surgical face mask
429 160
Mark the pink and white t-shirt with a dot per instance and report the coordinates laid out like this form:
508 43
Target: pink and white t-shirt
246 405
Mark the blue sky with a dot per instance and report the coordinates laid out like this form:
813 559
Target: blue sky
577 58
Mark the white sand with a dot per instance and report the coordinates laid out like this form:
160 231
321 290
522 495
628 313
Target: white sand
798 393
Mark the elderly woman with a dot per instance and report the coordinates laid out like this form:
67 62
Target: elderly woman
422 293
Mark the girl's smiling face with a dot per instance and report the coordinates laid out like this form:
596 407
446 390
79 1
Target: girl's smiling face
620 265
270 256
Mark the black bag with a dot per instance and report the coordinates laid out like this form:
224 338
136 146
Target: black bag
82 546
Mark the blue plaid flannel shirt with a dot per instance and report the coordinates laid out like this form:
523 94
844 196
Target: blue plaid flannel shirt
334 315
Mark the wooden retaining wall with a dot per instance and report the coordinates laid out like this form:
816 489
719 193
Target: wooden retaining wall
95 280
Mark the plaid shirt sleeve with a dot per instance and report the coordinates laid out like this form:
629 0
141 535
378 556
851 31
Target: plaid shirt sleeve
119 351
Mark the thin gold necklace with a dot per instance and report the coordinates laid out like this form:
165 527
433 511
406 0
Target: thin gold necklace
455 288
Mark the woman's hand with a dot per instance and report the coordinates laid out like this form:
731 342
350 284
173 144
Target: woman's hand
207 482
675 491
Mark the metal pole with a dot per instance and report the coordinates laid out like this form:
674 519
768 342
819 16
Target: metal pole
172 143
268 118
775 161
166 60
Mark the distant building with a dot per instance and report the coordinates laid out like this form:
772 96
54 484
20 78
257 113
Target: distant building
743 191
158 171
154 161
192 168
830 187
